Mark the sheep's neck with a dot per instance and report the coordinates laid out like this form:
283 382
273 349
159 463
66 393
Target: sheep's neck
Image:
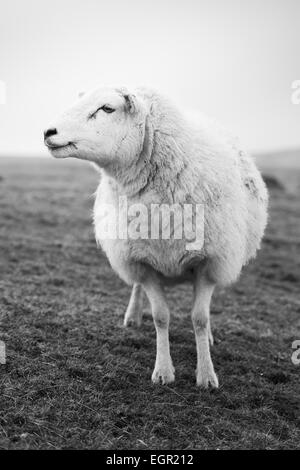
158 167
134 177
131 179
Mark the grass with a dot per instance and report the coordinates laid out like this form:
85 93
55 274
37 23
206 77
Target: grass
75 378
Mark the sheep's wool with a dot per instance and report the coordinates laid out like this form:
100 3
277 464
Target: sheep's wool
182 161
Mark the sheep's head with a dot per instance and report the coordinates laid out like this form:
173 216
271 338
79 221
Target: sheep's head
105 126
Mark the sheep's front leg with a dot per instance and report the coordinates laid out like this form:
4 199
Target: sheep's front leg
205 373
163 370
134 312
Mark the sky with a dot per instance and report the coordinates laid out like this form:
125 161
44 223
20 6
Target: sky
235 60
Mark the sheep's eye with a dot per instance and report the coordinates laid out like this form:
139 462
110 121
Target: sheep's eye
107 109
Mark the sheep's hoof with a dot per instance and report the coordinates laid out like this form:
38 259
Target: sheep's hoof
206 378
164 374
133 321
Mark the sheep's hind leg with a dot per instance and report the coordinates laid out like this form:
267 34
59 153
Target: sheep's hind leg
210 335
163 370
205 373
134 312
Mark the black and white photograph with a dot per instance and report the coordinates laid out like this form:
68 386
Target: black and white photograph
150 227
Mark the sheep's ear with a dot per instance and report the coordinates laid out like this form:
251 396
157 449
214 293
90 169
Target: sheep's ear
81 94
130 102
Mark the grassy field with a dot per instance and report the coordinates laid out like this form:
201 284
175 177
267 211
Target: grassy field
75 378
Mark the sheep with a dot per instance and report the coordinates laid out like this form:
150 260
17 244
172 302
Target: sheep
149 152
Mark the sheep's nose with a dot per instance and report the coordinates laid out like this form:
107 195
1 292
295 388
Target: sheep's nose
50 132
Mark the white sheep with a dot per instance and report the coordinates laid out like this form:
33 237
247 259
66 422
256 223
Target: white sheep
149 153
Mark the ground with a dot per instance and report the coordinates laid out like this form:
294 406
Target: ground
75 378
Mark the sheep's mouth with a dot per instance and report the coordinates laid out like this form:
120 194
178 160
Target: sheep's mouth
59 147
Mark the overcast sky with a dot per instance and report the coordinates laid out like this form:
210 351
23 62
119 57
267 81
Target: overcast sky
233 59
